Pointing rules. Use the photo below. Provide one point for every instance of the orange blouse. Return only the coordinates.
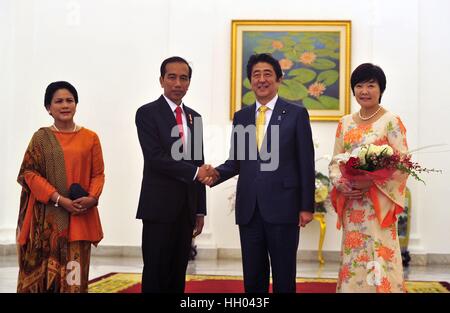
(84, 165)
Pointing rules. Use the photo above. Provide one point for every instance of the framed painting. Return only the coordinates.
(314, 57)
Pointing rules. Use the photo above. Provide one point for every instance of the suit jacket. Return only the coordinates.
(288, 189)
(168, 185)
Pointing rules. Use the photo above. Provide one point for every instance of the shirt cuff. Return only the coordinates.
(196, 173)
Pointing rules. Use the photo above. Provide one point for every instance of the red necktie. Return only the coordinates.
(178, 112)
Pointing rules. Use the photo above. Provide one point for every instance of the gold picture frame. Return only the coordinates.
(314, 56)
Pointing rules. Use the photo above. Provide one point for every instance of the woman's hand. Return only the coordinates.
(362, 185)
(358, 189)
(85, 203)
(70, 206)
(353, 194)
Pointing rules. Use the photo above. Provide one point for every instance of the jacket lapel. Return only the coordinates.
(278, 113)
(190, 125)
(166, 112)
(169, 118)
(250, 119)
(251, 116)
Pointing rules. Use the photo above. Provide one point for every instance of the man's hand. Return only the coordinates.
(207, 174)
(199, 222)
(305, 218)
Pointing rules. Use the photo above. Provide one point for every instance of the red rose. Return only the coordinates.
(353, 162)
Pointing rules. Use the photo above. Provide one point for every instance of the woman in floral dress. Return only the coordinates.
(367, 211)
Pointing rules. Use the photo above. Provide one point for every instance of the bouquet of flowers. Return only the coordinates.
(374, 162)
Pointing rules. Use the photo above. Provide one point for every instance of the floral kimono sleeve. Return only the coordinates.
(392, 191)
(333, 167)
(396, 133)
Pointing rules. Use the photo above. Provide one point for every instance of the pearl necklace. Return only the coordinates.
(369, 117)
(74, 128)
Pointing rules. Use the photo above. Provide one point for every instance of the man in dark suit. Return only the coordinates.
(272, 151)
(172, 203)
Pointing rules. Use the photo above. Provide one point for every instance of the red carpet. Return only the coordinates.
(130, 283)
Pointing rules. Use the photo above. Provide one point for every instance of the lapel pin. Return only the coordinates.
(284, 112)
(190, 118)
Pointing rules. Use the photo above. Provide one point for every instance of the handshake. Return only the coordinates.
(207, 174)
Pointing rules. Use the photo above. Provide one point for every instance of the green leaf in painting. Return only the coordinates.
(328, 77)
(291, 55)
(310, 35)
(330, 103)
(305, 39)
(253, 34)
(335, 55)
(330, 42)
(262, 49)
(247, 84)
(323, 64)
(326, 53)
(312, 104)
(285, 49)
(249, 98)
(284, 91)
(303, 75)
(265, 42)
(304, 47)
(287, 41)
(296, 90)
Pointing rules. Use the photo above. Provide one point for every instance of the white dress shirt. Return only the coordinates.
(173, 106)
(270, 105)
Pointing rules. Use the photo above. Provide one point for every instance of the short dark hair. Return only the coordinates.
(174, 59)
(266, 58)
(54, 87)
(367, 72)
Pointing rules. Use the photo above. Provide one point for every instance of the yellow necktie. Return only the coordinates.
(260, 123)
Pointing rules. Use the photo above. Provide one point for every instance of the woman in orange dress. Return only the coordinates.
(367, 210)
(56, 228)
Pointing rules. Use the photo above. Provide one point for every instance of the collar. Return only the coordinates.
(173, 105)
(270, 104)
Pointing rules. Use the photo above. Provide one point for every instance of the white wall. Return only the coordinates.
(6, 74)
(111, 51)
(433, 123)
